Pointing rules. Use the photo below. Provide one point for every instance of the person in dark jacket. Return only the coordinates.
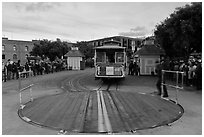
(135, 69)
(198, 76)
(27, 68)
(130, 71)
(159, 67)
(9, 69)
(18, 65)
(4, 71)
(15, 71)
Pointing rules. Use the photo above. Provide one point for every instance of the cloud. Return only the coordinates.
(137, 29)
(82, 20)
(41, 6)
(135, 32)
(32, 6)
(35, 27)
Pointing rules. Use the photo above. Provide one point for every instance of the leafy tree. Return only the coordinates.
(181, 33)
(36, 51)
(86, 49)
(49, 49)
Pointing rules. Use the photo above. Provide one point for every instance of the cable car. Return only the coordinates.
(110, 61)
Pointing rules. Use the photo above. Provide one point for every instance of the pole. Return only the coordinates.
(162, 81)
(177, 84)
(19, 86)
(182, 78)
(19, 77)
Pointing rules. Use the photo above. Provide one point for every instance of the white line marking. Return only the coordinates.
(22, 106)
(62, 132)
(100, 115)
(154, 126)
(105, 114)
(26, 119)
(165, 98)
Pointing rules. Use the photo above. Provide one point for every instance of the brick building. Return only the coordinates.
(16, 50)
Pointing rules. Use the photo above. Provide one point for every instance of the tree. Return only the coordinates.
(181, 33)
(86, 49)
(49, 49)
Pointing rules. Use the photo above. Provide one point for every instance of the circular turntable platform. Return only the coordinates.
(78, 111)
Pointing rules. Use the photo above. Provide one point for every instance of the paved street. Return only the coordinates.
(53, 90)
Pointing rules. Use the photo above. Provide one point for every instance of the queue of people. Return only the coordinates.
(10, 70)
(192, 69)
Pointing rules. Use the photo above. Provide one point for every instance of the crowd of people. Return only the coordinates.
(192, 73)
(192, 69)
(10, 70)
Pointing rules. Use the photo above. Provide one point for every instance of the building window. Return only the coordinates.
(26, 48)
(3, 56)
(124, 43)
(14, 56)
(101, 43)
(14, 47)
(3, 47)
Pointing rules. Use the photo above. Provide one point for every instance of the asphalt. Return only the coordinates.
(189, 98)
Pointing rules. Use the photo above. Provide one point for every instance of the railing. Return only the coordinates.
(21, 90)
(177, 86)
(25, 72)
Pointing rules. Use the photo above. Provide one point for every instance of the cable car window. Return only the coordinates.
(119, 57)
(110, 56)
(100, 56)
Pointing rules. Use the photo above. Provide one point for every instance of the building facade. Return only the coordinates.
(16, 50)
(129, 43)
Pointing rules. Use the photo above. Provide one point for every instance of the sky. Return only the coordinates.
(82, 21)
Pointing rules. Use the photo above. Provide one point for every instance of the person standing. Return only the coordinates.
(198, 76)
(15, 70)
(4, 69)
(27, 68)
(130, 72)
(159, 68)
(190, 74)
(9, 69)
(185, 70)
(18, 68)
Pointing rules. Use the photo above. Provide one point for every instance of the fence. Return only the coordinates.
(179, 80)
(21, 90)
